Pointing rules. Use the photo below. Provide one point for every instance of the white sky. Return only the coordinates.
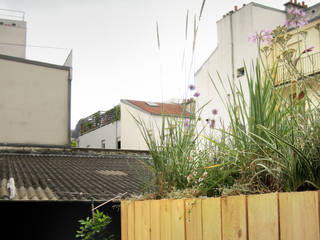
(115, 54)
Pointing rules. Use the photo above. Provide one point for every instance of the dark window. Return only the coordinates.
(119, 144)
(103, 143)
(240, 72)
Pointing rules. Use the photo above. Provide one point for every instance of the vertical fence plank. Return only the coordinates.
(211, 218)
(193, 219)
(263, 218)
(124, 220)
(142, 220)
(234, 219)
(138, 220)
(299, 215)
(131, 222)
(177, 219)
(165, 217)
(155, 222)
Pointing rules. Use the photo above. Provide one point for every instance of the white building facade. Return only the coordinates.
(232, 52)
(122, 132)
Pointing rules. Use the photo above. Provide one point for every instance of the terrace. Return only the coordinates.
(99, 119)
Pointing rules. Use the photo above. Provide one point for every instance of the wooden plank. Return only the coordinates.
(155, 221)
(177, 219)
(138, 220)
(263, 217)
(142, 220)
(234, 219)
(165, 219)
(146, 220)
(124, 220)
(193, 219)
(299, 215)
(211, 219)
(131, 222)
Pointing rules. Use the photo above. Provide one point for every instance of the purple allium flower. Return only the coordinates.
(192, 87)
(308, 49)
(296, 18)
(253, 38)
(290, 10)
(187, 122)
(263, 36)
(214, 111)
(297, 12)
(196, 94)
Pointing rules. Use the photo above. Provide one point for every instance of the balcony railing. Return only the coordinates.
(306, 66)
(99, 119)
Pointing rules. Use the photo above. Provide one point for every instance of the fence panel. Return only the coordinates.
(211, 219)
(155, 221)
(234, 218)
(177, 219)
(124, 220)
(279, 216)
(142, 220)
(131, 221)
(193, 219)
(299, 215)
(263, 217)
(165, 217)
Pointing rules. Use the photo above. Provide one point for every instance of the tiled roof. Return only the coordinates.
(68, 177)
(161, 108)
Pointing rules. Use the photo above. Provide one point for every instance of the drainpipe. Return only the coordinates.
(232, 46)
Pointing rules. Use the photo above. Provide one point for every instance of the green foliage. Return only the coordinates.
(95, 229)
(172, 150)
(73, 143)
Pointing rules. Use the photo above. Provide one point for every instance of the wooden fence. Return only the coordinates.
(285, 216)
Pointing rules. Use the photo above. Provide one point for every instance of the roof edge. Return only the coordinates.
(38, 63)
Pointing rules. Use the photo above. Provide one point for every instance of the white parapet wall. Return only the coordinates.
(103, 137)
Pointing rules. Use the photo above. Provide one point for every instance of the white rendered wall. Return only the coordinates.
(34, 103)
(13, 38)
(131, 137)
(110, 133)
(246, 21)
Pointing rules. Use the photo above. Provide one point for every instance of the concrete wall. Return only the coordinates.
(109, 133)
(13, 38)
(233, 32)
(34, 102)
(131, 137)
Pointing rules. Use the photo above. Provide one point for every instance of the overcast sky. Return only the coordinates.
(114, 43)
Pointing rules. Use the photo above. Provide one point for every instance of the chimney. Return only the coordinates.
(294, 4)
(235, 8)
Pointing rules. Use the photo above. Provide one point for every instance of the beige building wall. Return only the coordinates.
(34, 102)
(108, 134)
(13, 37)
(131, 137)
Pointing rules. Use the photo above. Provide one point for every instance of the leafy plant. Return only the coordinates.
(95, 229)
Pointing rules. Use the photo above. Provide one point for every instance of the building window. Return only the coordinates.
(119, 144)
(240, 72)
(103, 143)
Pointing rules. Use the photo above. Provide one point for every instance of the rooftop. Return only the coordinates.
(157, 108)
(69, 175)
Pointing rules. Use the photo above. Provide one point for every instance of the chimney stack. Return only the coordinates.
(235, 8)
